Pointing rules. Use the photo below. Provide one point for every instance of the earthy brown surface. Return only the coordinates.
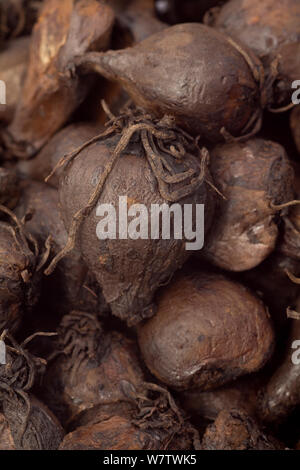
(120, 427)
(207, 331)
(269, 274)
(129, 271)
(51, 93)
(31, 425)
(67, 282)
(191, 348)
(43, 431)
(13, 66)
(295, 126)
(241, 394)
(251, 176)
(63, 142)
(90, 367)
(191, 72)
(19, 279)
(235, 430)
(289, 242)
(282, 392)
(9, 187)
(117, 433)
(271, 28)
(6, 439)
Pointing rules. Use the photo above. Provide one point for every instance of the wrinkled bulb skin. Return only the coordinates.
(251, 176)
(6, 441)
(128, 271)
(101, 359)
(289, 242)
(43, 432)
(65, 286)
(18, 280)
(271, 28)
(116, 427)
(235, 430)
(27, 423)
(192, 72)
(149, 226)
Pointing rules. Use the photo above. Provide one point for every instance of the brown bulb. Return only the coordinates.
(207, 331)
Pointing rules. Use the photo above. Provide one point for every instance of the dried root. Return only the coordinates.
(20, 269)
(157, 410)
(17, 378)
(158, 137)
(87, 366)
